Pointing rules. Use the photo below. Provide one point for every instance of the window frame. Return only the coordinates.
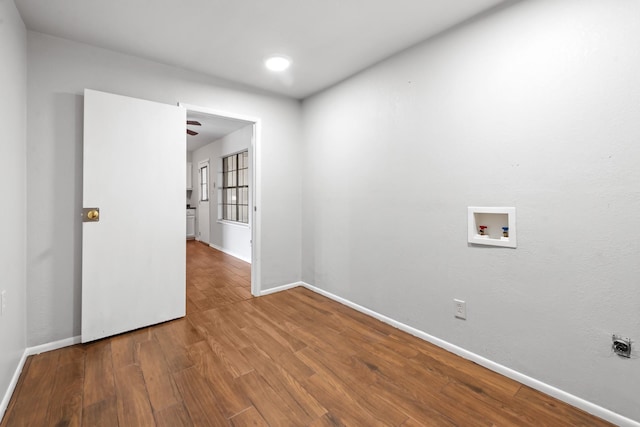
(235, 196)
(203, 184)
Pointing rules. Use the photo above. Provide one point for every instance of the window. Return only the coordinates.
(204, 182)
(235, 187)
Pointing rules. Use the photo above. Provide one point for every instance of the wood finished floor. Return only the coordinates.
(289, 359)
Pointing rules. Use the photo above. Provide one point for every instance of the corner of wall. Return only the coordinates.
(13, 90)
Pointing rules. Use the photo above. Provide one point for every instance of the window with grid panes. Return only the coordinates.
(235, 187)
(204, 183)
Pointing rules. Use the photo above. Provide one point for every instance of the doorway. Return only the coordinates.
(226, 188)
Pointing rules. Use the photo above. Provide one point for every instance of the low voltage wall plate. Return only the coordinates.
(621, 346)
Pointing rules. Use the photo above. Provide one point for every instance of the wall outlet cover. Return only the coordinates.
(460, 309)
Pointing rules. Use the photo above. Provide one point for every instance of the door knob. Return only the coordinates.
(90, 214)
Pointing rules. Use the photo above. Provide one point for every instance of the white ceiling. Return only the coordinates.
(212, 128)
(328, 40)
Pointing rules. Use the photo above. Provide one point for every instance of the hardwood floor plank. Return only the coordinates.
(426, 408)
(220, 325)
(35, 396)
(307, 311)
(103, 413)
(221, 382)
(173, 416)
(269, 330)
(294, 366)
(441, 363)
(470, 374)
(312, 302)
(198, 399)
(490, 408)
(159, 382)
(286, 314)
(271, 346)
(229, 354)
(424, 403)
(122, 351)
(184, 331)
(17, 392)
(248, 417)
(241, 292)
(98, 377)
(134, 408)
(65, 407)
(327, 420)
(362, 376)
(410, 422)
(324, 340)
(279, 378)
(72, 354)
(341, 402)
(547, 407)
(263, 309)
(238, 315)
(270, 404)
(351, 382)
(174, 351)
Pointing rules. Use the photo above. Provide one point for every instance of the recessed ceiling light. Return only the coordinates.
(277, 63)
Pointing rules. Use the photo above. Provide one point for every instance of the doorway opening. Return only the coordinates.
(221, 155)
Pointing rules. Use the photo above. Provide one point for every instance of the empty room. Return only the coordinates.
(403, 213)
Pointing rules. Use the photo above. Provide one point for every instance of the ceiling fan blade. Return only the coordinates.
(192, 133)
(193, 122)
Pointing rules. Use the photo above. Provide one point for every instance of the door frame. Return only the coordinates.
(256, 190)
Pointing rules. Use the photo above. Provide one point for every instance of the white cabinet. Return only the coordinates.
(189, 176)
(191, 223)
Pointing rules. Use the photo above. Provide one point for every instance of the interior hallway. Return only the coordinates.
(291, 358)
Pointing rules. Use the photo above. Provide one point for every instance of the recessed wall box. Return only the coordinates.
(492, 226)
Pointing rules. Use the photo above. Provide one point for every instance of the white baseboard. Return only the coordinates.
(12, 385)
(280, 288)
(43, 348)
(572, 400)
(30, 351)
(221, 249)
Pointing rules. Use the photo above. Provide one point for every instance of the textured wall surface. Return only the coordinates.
(535, 106)
(13, 163)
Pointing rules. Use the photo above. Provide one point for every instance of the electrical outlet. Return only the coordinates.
(621, 346)
(3, 302)
(460, 309)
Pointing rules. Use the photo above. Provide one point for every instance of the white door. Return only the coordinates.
(133, 257)
(204, 194)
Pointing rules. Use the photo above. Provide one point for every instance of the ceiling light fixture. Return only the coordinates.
(277, 63)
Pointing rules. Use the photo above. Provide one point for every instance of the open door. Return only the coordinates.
(133, 242)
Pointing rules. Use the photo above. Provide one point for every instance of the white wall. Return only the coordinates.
(536, 106)
(234, 239)
(13, 161)
(58, 72)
